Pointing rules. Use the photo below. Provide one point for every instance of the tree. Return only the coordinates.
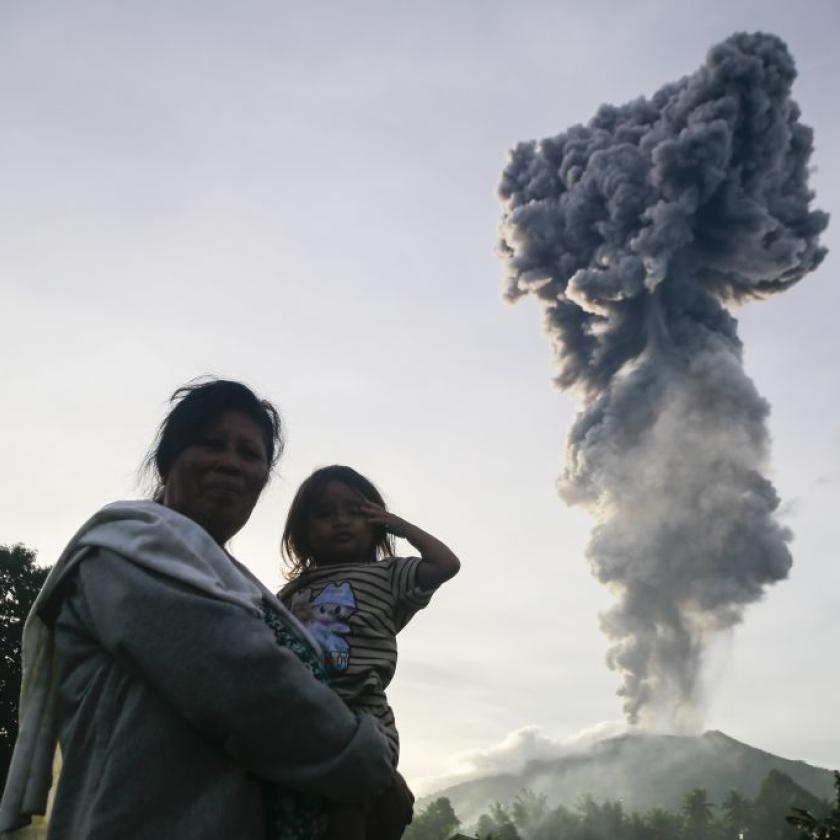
(697, 811)
(528, 809)
(559, 824)
(777, 797)
(601, 820)
(437, 821)
(485, 827)
(20, 581)
(497, 825)
(737, 815)
(812, 828)
(662, 824)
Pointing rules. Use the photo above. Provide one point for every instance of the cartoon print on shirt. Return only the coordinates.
(325, 617)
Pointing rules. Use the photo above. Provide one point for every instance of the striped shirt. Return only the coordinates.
(355, 611)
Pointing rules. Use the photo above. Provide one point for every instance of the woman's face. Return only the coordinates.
(217, 480)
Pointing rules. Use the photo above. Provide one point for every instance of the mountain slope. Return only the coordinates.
(642, 770)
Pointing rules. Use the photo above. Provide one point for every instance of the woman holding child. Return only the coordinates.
(187, 700)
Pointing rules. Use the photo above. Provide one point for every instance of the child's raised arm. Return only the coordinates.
(438, 564)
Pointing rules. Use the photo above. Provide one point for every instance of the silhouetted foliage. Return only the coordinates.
(528, 808)
(20, 581)
(813, 828)
(437, 821)
(530, 817)
(778, 795)
(498, 824)
(697, 814)
(737, 815)
(661, 825)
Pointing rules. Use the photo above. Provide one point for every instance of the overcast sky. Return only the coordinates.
(302, 196)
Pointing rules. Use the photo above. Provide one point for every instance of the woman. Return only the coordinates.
(150, 655)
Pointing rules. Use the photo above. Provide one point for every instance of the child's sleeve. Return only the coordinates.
(409, 596)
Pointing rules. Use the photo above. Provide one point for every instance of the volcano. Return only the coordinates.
(641, 770)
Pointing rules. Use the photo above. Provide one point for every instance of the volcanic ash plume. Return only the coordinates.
(635, 233)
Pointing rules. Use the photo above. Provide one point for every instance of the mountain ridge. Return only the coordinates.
(643, 770)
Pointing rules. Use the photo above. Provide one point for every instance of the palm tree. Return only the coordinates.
(737, 815)
(815, 829)
(697, 811)
(662, 824)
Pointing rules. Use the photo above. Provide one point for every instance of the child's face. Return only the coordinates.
(338, 532)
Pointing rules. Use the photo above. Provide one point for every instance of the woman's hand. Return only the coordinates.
(393, 811)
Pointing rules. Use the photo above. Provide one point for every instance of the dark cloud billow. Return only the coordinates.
(637, 233)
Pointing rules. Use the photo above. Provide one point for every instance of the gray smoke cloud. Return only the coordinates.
(637, 233)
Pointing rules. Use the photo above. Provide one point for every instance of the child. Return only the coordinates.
(354, 596)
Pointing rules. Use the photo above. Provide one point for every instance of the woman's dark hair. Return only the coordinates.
(295, 546)
(197, 405)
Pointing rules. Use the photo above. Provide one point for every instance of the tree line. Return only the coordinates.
(782, 810)
(20, 582)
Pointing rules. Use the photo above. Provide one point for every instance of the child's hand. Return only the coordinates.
(438, 562)
(377, 515)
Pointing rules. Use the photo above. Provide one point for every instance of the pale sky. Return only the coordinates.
(302, 196)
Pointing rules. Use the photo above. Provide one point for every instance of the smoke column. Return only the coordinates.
(637, 233)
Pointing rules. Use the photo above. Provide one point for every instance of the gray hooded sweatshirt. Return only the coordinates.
(175, 708)
(146, 655)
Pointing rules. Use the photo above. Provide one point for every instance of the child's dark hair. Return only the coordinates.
(295, 546)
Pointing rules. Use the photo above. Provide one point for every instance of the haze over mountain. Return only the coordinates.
(642, 770)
